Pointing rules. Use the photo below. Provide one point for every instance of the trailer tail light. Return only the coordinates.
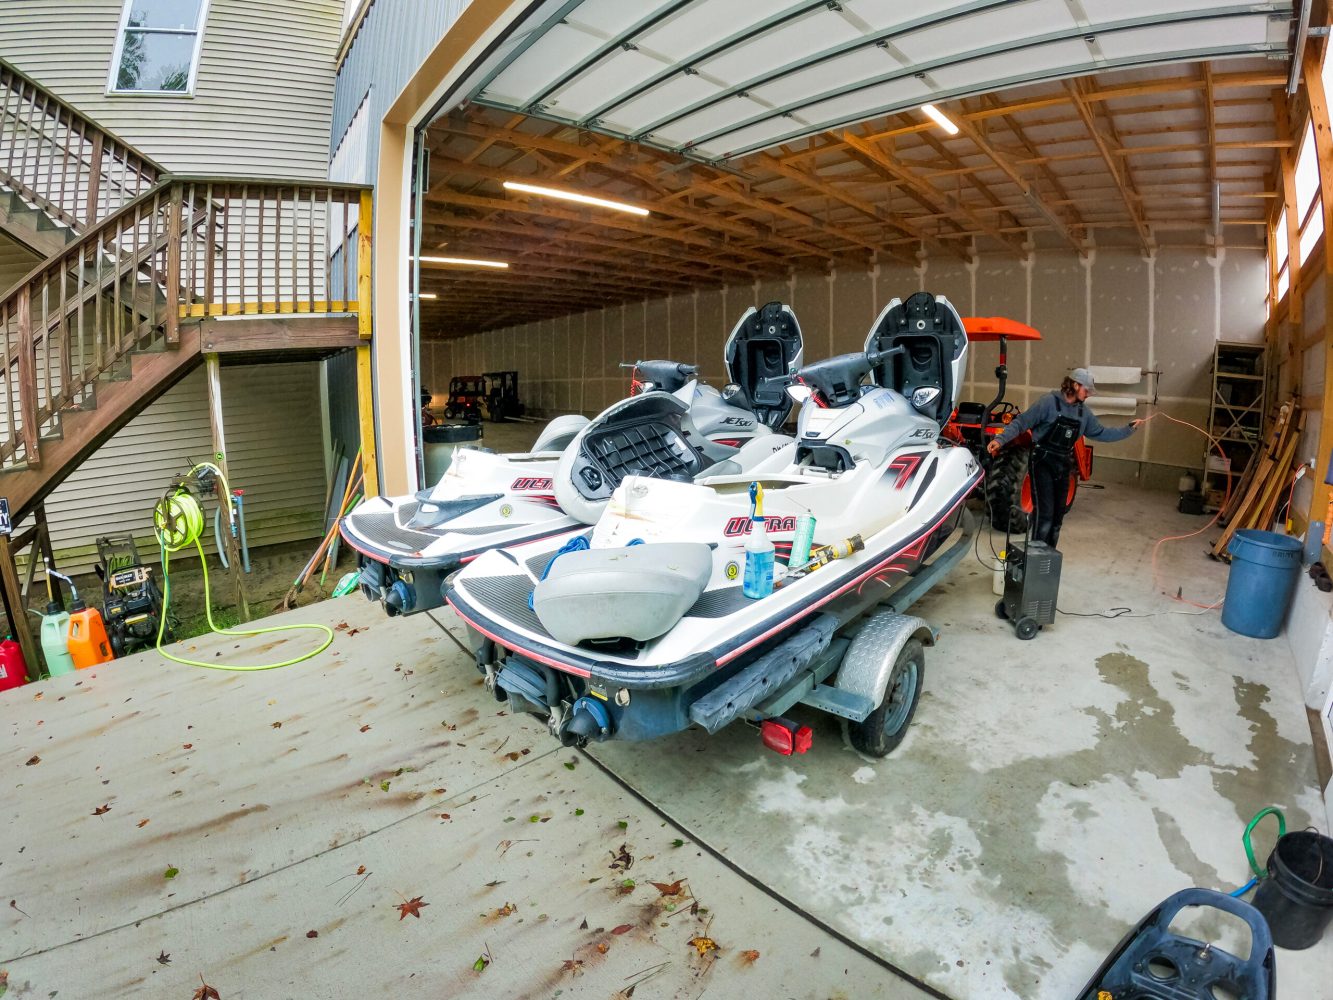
(785, 736)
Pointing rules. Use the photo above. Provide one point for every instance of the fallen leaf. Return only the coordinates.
(625, 887)
(37, 696)
(750, 956)
(622, 929)
(578, 812)
(622, 861)
(275, 725)
(514, 755)
(815, 953)
(143, 823)
(34, 759)
(361, 870)
(163, 958)
(584, 926)
(492, 885)
(102, 810)
(315, 934)
(570, 765)
(506, 910)
(206, 992)
(384, 786)
(412, 906)
(438, 791)
(365, 728)
(678, 843)
(171, 873)
(704, 944)
(668, 888)
(603, 947)
(14, 905)
(572, 965)
(444, 815)
(624, 825)
(187, 746)
(480, 964)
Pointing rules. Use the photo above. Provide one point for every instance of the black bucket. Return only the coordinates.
(1297, 897)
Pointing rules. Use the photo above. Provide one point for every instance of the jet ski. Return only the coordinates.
(407, 545)
(640, 626)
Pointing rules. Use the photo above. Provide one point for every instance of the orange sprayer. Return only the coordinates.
(88, 642)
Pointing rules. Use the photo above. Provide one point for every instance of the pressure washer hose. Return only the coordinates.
(178, 522)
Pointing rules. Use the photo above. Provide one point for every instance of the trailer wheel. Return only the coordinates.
(885, 727)
(1004, 490)
(1001, 612)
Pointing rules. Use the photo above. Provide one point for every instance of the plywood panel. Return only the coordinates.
(1058, 311)
(1244, 285)
(1001, 291)
(853, 309)
(1185, 323)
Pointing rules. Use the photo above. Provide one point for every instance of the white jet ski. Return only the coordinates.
(407, 545)
(640, 626)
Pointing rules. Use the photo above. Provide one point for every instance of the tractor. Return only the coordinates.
(466, 394)
(1008, 486)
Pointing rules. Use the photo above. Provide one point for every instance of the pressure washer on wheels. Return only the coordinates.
(131, 600)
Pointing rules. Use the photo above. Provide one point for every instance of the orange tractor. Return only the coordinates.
(1008, 486)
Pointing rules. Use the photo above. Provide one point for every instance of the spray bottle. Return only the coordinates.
(758, 580)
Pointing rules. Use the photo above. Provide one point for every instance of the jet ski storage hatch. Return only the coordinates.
(764, 347)
(930, 367)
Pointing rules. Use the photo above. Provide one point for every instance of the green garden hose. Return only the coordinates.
(178, 521)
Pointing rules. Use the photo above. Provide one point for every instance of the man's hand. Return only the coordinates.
(1135, 423)
(993, 447)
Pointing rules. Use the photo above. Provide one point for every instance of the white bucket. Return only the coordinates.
(997, 576)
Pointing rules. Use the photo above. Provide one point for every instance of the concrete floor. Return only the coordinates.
(1048, 794)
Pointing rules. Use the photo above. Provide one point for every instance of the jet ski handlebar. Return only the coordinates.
(665, 375)
(837, 380)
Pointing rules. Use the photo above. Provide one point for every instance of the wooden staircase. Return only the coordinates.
(144, 274)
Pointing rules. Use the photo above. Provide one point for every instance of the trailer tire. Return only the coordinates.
(885, 727)
(1004, 490)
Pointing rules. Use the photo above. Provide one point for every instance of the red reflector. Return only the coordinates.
(786, 737)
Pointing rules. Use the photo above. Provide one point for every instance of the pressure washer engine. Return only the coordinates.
(131, 600)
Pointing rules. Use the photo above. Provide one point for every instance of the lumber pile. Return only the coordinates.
(1254, 502)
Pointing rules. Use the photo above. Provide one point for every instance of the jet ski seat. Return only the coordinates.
(932, 338)
(559, 433)
(638, 592)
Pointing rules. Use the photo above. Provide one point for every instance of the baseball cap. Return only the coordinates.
(1083, 377)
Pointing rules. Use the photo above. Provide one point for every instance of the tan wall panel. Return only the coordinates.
(1058, 311)
(853, 309)
(1185, 323)
(810, 301)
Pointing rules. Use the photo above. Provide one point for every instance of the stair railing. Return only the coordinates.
(61, 160)
(185, 249)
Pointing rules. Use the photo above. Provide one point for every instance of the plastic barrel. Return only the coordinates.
(1297, 897)
(1264, 568)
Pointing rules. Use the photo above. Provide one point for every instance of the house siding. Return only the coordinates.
(15, 262)
(275, 452)
(263, 94)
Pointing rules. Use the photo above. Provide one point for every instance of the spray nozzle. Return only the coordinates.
(756, 500)
(73, 591)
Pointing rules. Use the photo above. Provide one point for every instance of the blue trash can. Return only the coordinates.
(1264, 569)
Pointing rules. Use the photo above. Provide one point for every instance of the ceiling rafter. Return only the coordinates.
(1125, 184)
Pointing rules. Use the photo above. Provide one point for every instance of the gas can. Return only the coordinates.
(55, 640)
(13, 668)
(88, 642)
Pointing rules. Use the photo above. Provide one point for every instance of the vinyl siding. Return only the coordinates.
(15, 262)
(272, 420)
(263, 95)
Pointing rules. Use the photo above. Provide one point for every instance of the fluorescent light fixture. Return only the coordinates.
(939, 118)
(463, 261)
(582, 199)
(427, 295)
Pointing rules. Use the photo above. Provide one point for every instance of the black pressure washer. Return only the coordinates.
(1031, 582)
(131, 600)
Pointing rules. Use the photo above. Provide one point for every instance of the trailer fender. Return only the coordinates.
(868, 662)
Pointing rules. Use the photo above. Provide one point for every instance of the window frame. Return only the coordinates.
(114, 71)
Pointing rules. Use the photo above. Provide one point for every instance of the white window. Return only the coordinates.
(157, 50)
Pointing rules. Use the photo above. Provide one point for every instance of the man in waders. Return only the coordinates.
(1057, 420)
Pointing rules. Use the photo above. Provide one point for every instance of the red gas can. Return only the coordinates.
(13, 668)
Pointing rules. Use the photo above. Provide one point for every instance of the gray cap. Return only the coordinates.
(1083, 377)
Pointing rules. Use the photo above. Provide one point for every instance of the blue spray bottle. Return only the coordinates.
(758, 580)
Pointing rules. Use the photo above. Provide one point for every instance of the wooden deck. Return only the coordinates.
(301, 807)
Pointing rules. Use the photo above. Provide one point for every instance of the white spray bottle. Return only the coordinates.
(758, 580)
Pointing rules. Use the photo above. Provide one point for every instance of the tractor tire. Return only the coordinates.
(1004, 488)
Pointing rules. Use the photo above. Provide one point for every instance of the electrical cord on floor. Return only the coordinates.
(178, 522)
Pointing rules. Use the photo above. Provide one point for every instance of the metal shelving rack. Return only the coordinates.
(1235, 415)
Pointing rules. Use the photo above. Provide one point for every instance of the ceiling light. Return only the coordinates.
(939, 118)
(582, 199)
(427, 295)
(463, 261)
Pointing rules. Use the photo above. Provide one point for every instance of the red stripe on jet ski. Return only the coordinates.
(568, 668)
